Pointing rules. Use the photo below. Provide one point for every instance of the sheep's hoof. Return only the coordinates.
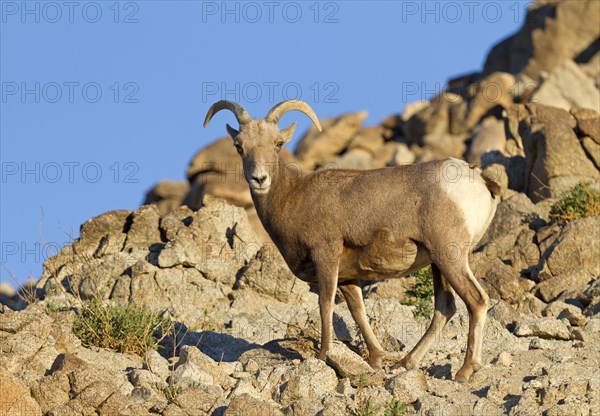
(406, 363)
(462, 378)
(465, 374)
(375, 361)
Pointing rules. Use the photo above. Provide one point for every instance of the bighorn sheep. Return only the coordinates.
(336, 227)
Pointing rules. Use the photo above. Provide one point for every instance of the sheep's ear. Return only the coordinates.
(232, 132)
(288, 133)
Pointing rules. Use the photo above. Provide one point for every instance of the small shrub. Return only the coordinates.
(362, 380)
(579, 202)
(368, 408)
(52, 307)
(128, 329)
(394, 408)
(421, 292)
(169, 390)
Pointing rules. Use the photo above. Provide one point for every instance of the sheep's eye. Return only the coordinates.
(279, 145)
(239, 149)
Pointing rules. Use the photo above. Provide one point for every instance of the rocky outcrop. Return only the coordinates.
(245, 330)
(555, 159)
(281, 376)
(16, 397)
(568, 86)
(181, 260)
(552, 33)
(318, 148)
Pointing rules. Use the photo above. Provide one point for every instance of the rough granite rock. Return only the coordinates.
(167, 195)
(576, 249)
(16, 399)
(552, 32)
(318, 148)
(188, 375)
(492, 91)
(550, 289)
(346, 362)
(217, 243)
(555, 160)
(408, 386)
(247, 405)
(545, 328)
(203, 251)
(568, 87)
(486, 137)
(588, 123)
(191, 355)
(433, 119)
(311, 378)
(156, 364)
(268, 274)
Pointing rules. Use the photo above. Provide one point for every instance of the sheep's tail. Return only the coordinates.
(491, 178)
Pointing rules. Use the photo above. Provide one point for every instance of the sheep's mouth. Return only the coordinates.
(260, 191)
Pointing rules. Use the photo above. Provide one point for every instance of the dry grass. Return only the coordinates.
(127, 329)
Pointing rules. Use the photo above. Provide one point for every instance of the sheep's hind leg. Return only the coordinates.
(461, 278)
(353, 295)
(444, 310)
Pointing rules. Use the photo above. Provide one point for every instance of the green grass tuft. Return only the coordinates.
(368, 408)
(421, 292)
(169, 390)
(579, 202)
(395, 408)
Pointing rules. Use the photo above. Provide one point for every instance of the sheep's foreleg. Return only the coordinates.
(353, 295)
(327, 277)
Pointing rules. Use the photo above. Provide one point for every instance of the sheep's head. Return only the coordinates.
(259, 141)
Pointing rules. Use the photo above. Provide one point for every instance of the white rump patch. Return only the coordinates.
(466, 188)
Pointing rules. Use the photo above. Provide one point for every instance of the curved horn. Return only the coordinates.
(241, 115)
(280, 109)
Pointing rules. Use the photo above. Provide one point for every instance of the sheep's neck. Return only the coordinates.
(271, 206)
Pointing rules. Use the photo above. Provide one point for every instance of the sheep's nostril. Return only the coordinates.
(259, 179)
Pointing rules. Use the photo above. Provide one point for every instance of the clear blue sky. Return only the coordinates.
(101, 100)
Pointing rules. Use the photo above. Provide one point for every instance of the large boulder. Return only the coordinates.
(316, 148)
(268, 274)
(488, 136)
(311, 378)
(568, 87)
(576, 248)
(217, 242)
(167, 195)
(444, 115)
(554, 157)
(553, 32)
(16, 398)
(490, 92)
(73, 383)
(31, 340)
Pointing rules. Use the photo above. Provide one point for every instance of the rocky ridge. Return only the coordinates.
(246, 328)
